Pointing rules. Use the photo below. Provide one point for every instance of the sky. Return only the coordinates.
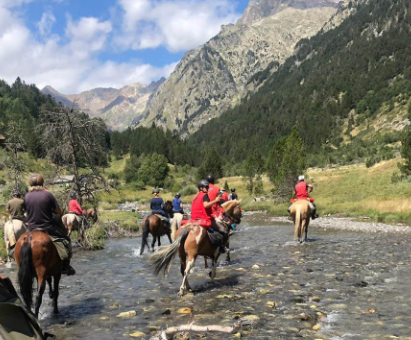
(77, 45)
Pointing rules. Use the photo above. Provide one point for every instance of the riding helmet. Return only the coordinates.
(301, 178)
(210, 179)
(203, 184)
(155, 191)
(73, 195)
(16, 194)
(178, 195)
(232, 189)
(36, 180)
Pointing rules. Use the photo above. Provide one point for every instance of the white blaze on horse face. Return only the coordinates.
(200, 234)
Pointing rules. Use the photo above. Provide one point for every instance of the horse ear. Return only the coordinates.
(238, 202)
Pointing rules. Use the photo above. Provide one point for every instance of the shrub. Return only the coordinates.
(189, 190)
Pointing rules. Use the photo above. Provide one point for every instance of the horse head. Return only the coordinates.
(233, 210)
(169, 208)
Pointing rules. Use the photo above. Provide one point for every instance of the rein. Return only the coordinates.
(232, 218)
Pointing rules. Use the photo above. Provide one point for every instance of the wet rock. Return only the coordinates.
(166, 312)
(317, 327)
(128, 314)
(184, 311)
(251, 317)
(255, 267)
(271, 304)
(371, 311)
(315, 299)
(137, 334)
(263, 291)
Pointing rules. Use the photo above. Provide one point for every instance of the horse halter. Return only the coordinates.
(232, 218)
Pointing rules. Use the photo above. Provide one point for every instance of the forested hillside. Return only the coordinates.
(337, 80)
(21, 104)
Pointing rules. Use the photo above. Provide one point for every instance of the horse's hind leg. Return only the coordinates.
(41, 286)
(228, 258)
(306, 231)
(50, 287)
(56, 292)
(302, 230)
(153, 244)
(169, 238)
(185, 285)
(159, 241)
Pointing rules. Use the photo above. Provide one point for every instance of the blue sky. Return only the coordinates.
(76, 45)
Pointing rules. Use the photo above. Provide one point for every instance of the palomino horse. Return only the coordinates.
(175, 224)
(154, 225)
(71, 222)
(37, 257)
(13, 229)
(192, 241)
(301, 212)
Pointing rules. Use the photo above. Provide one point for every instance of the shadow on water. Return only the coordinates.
(228, 282)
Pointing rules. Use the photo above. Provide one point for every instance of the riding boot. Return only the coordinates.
(67, 269)
(314, 214)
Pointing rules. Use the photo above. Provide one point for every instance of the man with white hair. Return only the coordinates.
(302, 193)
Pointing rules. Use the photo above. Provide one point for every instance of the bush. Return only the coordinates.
(189, 190)
(2, 181)
(94, 237)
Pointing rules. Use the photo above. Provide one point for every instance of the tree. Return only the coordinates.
(131, 168)
(73, 140)
(212, 164)
(405, 167)
(254, 166)
(154, 170)
(293, 164)
(275, 159)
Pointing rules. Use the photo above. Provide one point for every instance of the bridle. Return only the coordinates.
(236, 221)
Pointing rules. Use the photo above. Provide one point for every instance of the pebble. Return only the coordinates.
(317, 327)
(184, 311)
(255, 267)
(128, 314)
(137, 334)
(270, 304)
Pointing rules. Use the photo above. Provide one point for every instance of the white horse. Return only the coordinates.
(13, 229)
(175, 224)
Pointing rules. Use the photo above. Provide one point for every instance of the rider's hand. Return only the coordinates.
(218, 199)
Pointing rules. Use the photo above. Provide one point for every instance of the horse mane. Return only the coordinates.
(228, 206)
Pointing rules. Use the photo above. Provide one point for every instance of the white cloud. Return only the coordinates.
(46, 23)
(69, 67)
(178, 25)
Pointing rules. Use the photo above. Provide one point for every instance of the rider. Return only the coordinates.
(233, 196)
(15, 207)
(213, 192)
(201, 210)
(301, 192)
(177, 204)
(75, 208)
(40, 206)
(157, 207)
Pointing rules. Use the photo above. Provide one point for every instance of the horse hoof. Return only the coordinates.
(56, 312)
(180, 293)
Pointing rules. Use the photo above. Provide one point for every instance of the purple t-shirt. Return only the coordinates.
(40, 206)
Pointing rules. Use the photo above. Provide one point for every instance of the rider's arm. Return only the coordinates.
(208, 204)
(8, 208)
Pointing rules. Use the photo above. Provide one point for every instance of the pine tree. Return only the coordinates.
(405, 167)
(212, 164)
(254, 166)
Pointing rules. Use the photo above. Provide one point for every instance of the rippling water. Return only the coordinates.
(349, 285)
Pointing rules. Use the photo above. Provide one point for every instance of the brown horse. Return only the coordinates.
(192, 241)
(153, 225)
(301, 212)
(37, 257)
(71, 222)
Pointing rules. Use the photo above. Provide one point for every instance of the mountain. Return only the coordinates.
(215, 77)
(118, 107)
(346, 89)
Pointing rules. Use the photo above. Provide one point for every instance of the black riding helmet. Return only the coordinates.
(210, 179)
(203, 184)
(16, 194)
(232, 189)
(178, 195)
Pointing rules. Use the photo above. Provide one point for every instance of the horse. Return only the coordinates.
(192, 241)
(175, 224)
(154, 225)
(71, 222)
(13, 229)
(300, 212)
(37, 257)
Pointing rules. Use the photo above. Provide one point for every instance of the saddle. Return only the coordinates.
(309, 199)
(61, 243)
(161, 217)
(215, 237)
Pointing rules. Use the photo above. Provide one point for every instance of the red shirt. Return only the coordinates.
(199, 212)
(225, 196)
(301, 190)
(213, 192)
(75, 208)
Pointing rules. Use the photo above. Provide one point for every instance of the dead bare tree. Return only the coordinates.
(15, 163)
(72, 141)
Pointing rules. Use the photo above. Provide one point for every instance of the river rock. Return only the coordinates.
(317, 327)
(137, 334)
(315, 299)
(128, 314)
(184, 311)
(255, 267)
(263, 291)
(270, 304)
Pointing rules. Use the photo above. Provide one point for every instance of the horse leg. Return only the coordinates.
(56, 292)
(153, 244)
(185, 285)
(228, 258)
(41, 286)
(306, 231)
(50, 287)
(301, 232)
(169, 238)
(70, 229)
(205, 262)
(159, 241)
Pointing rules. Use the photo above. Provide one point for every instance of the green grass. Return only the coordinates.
(126, 220)
(3, 252)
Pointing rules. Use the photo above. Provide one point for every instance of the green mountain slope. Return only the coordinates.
(338, 79)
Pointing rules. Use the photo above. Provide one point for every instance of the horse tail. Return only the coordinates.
(26, 273)
(146, 231)
(163, 259)
(298, 220)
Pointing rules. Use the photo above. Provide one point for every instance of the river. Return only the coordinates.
(346, 285)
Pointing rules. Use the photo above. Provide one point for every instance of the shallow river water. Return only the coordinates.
(346, 285)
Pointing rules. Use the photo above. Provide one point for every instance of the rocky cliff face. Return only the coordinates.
(118, 107)
(213, 77)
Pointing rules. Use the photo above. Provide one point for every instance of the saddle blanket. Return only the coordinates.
(61, 245)
(161, 217)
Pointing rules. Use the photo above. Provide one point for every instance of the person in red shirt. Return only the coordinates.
(75, 208)
(213, 192)
(201, 212)
(301, 191)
